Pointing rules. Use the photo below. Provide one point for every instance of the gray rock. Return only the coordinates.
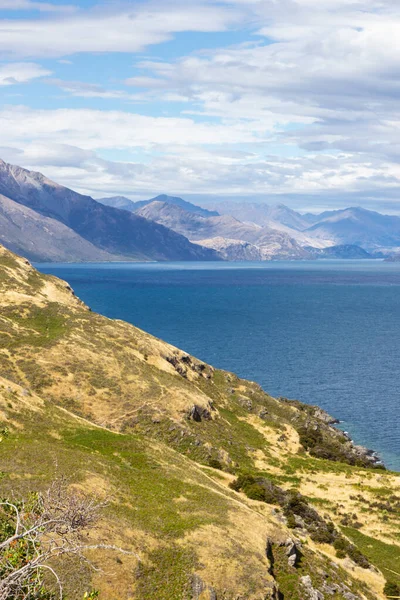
(293, 551)
(312, 593)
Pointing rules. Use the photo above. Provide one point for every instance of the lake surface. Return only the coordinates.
(325, 332)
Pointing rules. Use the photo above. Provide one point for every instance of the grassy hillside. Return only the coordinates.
(208, 477)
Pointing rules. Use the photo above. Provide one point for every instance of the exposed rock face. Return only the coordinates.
(310, 591)
(199, 413)
(293, 552)
(234, 250)
(90, 224)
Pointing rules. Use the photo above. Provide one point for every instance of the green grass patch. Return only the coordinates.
(384, 556)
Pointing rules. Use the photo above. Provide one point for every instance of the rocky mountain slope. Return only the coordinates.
(112, 231)
(221, 491)
(209, 231)
(42, 238)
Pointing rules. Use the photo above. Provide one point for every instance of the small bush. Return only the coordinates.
(391, 589)
(291, 521)
(255, 492)
(215, 463)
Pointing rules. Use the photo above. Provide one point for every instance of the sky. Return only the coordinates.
(293, 101)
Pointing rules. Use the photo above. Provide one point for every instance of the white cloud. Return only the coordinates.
(116, 29)
(95, 129)
(13, 73)
(332, 68)
(31, 5)
(223, 169)
(309, 105)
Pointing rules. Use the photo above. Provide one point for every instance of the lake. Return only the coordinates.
(324, 332)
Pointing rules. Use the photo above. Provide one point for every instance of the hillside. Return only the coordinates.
(114, 232)
(203, 470)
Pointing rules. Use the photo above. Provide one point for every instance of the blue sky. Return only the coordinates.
(256, 100)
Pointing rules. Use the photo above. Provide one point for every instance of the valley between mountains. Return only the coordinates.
(219, 490)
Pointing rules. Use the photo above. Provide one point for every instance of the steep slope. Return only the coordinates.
(270, 243)
(162, 435)
(364, 228)
(41, 238)
(111, 230)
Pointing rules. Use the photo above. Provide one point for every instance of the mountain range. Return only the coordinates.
(48, 222)
(368, 229)
(257, 231)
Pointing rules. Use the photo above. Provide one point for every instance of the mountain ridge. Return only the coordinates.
(127, 204)
(116, 232)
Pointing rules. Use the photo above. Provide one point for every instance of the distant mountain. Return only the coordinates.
(358, 226)
(263, 214)
(347, 251)
(195, 226)
(175, 201)
(119, 202)
(126, 204)
(218, 232)
(115, 232)
(349, 227)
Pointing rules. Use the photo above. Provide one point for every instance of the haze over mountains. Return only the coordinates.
(256, 231)
(45, 221)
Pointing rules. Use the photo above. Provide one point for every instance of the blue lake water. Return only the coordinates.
(325, 332)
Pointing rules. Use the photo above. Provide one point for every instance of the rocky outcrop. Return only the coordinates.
(293, 552)
(310, 592)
